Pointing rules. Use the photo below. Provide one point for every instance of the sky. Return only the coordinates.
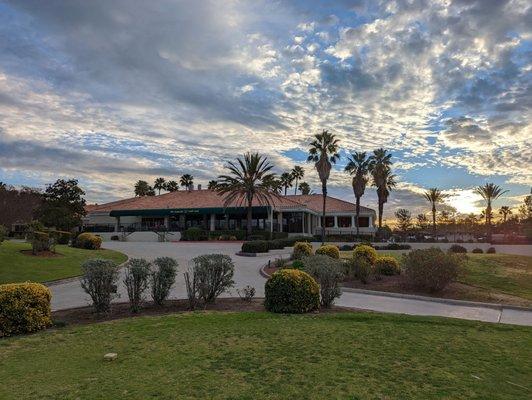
(110, 92)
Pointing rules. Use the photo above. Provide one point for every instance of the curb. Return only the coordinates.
(465, 303)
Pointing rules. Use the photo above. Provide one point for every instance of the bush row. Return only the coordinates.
(263, 246)
(198, 234)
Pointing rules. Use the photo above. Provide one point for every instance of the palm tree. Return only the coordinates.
(172, 186)
(304, 188)
(286, 181)
(187, 181)
(323, 152)
(505, 211)
(274, 184)
(249, 179)
(143, 189)
(159, 184)
(297, 174)
(489, 192)
(212, 185)
(434, 196)
(358, 167)
(381, 171)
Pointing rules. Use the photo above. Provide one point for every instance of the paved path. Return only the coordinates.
(70, 294)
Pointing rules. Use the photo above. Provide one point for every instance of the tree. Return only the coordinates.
(505, 211)
(525, 209)
(212, 185)
(171, 186)
(323, 152)
(304, 188)
(404, 219)
(249, 178)
(286, 181)
(297, 174)
(18, 206)
(187, 181)
(489, 192)
(62, 205)
(142, 188)
(159, 184)
(358, 167)
(274, 184)
(422, 221)
(382, 178)
(434, 196)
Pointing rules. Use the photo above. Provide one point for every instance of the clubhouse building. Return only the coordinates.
(174, 212)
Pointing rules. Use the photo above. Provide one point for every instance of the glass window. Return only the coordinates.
(363, 222)
(329, 222)
(344, 222)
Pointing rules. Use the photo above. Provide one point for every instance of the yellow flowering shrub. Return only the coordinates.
(366, 252)
(329, 250)
(387, 265)
(301, 249)
(89, 241)
(24, 308)
(291, 291)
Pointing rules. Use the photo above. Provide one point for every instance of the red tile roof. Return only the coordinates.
(210, 199)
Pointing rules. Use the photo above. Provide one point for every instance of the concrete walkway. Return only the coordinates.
(70, 294)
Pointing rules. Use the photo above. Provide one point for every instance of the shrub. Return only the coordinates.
(291, 291)
(194, 233)
(297, 264)
(88, 241)
(346, 247)
(394, 246)
(301, 250)
(387, 266)
(24, 308)
(162, 277)
(328, 273)
(214, 275)
(115, 238)
(366, 252)
(329, 250)
(359, 268)
(279, 262)
(431, 269)
(99, 277)
(491, 250)
(456, 248)
(3, 233)
(247, 293)
(191, 284)
(477, 251)
(40, 241)
(256, 246)
(60, 237)
(276, 244)
(137, 272)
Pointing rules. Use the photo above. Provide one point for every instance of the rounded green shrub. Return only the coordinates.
(297, 264)
(255, 246)
(88, 241)
(387, 265)
(301, 249)
(366, 252)
(194, 234)
(477, 251)
(329, 250)
(291, 291)
(456, 248)
(491, 250)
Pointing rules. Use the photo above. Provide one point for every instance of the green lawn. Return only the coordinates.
(268, 356)
(18, 267)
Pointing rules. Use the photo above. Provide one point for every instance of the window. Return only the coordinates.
(363, 222)
(344, 222)
(329, 222)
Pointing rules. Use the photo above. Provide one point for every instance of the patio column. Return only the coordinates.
(271, 219)
(213, 222)
(117, 224)
(167, 222)
(280, 221)
(336, 221)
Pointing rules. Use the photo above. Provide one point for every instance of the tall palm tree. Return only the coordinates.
(159, 184)
(212, 184)
(434, 196)
(286, 181)
(489, 192)
(323, 152)
(297, 174)
(187, 181)
(304, 188)
(142, 188)
(505, 211)
(249, 179)
(172, 186)
(358, 167)
(274, 184)
(380, 167)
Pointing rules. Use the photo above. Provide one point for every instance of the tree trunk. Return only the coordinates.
(434, 218)
(381, 208)
(295, 189)
(324, 192)
(488, 220)
(357, 215)
(249, 218)
(285, 189)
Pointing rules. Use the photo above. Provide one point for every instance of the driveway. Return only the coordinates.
(69, 294)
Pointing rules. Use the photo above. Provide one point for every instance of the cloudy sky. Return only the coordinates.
(111, 92)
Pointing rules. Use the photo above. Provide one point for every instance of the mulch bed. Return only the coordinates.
(44, 254)
(86, 315)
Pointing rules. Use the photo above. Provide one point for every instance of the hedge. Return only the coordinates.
(263, 246)
(24, 308)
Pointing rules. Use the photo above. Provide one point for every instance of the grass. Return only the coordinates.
(18, 267)
(270, 356)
